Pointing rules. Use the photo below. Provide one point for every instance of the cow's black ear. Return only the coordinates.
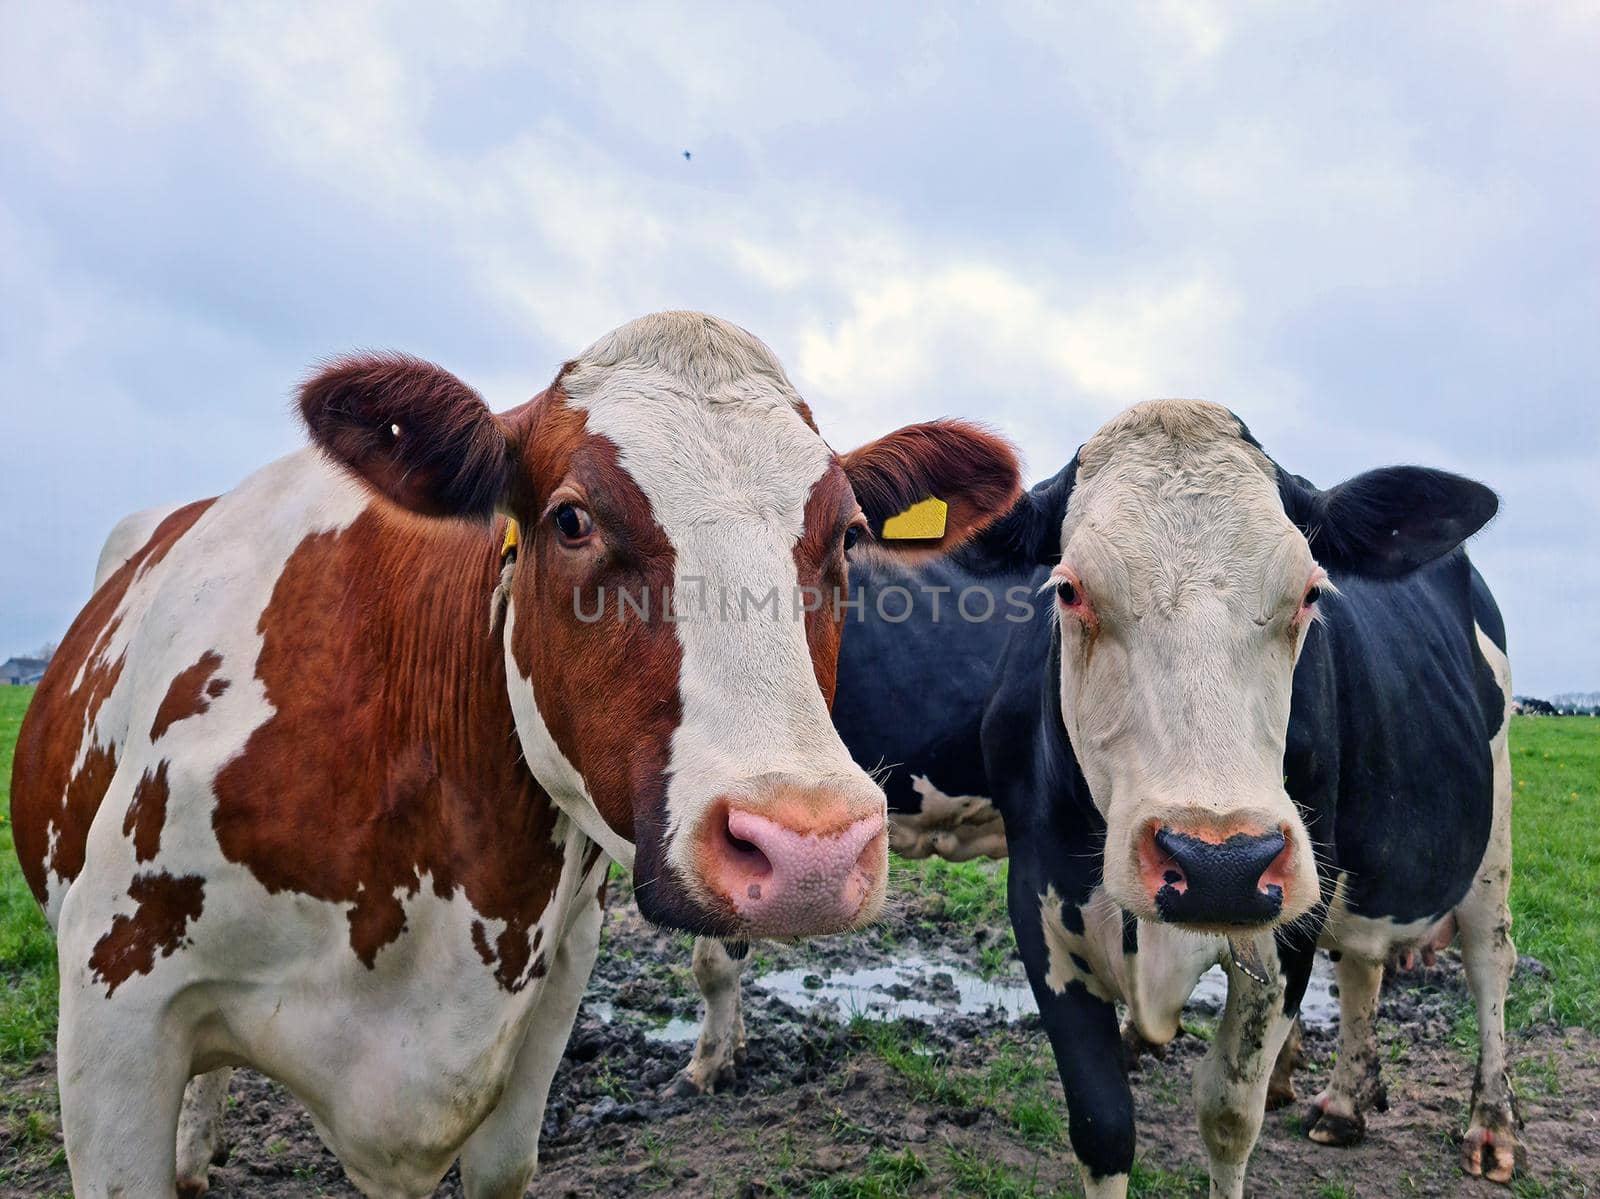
(1029, 534)
(1389, 521)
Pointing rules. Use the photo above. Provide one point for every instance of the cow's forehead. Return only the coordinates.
(702, 464)
(1174, 485)
(704, 420)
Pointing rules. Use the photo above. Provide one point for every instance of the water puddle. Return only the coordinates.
(912, 986)
(926, 988)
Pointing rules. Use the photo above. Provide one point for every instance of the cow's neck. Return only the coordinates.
(443, 675)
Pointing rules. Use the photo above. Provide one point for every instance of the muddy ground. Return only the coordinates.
(940, 1101)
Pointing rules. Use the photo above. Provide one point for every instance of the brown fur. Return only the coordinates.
(450, 456)
(399, 760)
(147, 812)
(45, 791)
(820, 562)
(974, 471)
(632, 663)
(158, 924)
(189, 694)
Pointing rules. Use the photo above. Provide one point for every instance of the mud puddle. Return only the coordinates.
(920, 987)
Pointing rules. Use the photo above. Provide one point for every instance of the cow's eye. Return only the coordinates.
(851, 536)
(1313, 594)
(1066, 593)
(572, 522)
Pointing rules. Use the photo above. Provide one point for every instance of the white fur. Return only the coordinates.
(721, 1044)
(1065, 950)
(1180, 704)
(127, 537)
(707, 425)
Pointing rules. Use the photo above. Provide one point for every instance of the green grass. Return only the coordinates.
(1154, 1182)
(1555, 882)
(1015, 1083)
(27, 952)
(884, 1176)
(966, 892)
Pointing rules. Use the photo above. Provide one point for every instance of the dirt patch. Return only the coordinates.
(947, 1101)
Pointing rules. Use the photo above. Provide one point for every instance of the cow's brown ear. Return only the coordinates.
(934, 485)
(411, 430)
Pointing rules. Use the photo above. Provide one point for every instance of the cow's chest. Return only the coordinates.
(424, 1046)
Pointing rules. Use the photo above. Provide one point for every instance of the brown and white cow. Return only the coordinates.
(315, 785)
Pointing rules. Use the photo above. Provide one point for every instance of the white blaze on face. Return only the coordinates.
(1176, 695)
(708, 426)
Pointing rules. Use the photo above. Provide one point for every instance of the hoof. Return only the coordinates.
(685, 1085)
(1334, 1128)
(690, 1083)
(1486, 1153)
(191, 1188)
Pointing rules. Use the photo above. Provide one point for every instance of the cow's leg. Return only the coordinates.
(721, 1047)
(1280, 1087)
(502, 1154)
(1080, 1018)
(200, 1144)
(1484, 921)
(1230, 1083)
(1337, 1116)
(122, 1078)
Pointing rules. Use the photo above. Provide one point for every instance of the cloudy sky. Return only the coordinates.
(1371, 231)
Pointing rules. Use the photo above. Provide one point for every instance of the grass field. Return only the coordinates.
(27, 954)
(1555, 897)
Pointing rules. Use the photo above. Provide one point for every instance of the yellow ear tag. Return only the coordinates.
(509, 545)
(923, 521)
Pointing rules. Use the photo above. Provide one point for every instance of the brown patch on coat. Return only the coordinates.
(823, 574)
(391, 755)
(633, 663)
(147, 813)
(188, 693)
(160, 924)
(47, 793)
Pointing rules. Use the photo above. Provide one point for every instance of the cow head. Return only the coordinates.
(671, 635)
(1188, 570)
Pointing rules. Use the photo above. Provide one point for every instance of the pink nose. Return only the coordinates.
(785, 882)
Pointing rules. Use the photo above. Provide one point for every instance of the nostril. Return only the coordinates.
(746, 855)
(871, 856)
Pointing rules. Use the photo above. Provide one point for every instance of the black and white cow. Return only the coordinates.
(1214, 729)
(1176, 790)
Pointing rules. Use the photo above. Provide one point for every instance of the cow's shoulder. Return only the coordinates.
(387, 743)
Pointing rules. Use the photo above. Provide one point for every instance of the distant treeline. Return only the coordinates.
(1583, 703)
